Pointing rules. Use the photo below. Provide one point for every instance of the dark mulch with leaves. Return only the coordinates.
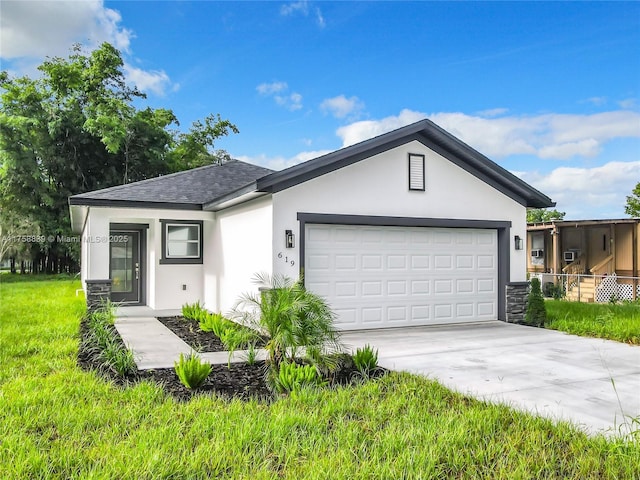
(189, 331)
(239, 380)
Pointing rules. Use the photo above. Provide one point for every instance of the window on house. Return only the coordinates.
(181, 241)
(416, 172)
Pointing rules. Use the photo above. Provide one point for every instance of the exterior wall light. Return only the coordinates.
(518, 243)
(289, 239)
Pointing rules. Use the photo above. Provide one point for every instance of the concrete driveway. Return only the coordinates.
(552, 373)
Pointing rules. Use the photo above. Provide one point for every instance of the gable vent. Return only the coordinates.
(416, 172)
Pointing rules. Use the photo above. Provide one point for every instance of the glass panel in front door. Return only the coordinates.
(122, 263)
(125, 266)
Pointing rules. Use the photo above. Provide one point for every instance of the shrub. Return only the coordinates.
(295, 321)
(291, 377)
(536, 312)
(366, 360)
(191, 371)
(551, 290)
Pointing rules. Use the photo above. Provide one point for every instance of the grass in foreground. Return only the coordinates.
(60, 422)
(619, 322)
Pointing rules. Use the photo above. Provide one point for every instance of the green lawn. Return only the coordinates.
(59, 422)
(619, 322)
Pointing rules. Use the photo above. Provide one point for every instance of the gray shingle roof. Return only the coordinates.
(190, 189)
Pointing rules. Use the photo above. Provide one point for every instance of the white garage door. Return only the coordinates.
(375, 277)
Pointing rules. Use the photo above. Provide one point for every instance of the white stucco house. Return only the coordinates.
(412, 227)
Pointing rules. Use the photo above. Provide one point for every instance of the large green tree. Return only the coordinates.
(538, 215)
(77, 127)
(632, 208)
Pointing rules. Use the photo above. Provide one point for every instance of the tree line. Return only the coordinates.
(75, 128)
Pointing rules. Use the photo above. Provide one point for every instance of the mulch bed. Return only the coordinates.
(189, 331)
(240, 380)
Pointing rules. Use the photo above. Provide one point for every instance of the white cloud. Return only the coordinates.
(280, 163)
(279, 92)
(557, 136)
(302, 7)
(584, 148)
(48, 28)
(627, 103)
(363, 130)
(586, 193)
(597, 101)
(156, 81)
(493, 112)
(271, 88)
(294, 7)
(33, 30)
(319, 18)
(341, 106)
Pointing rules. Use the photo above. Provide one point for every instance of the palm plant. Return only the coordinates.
(294, 319)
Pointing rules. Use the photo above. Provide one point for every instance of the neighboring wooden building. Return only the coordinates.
(602, 248)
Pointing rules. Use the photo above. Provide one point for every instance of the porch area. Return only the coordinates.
(586, 260)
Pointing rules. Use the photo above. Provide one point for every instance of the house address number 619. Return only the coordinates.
(286, 259)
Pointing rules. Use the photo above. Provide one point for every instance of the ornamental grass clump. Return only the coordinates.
(366, 360)
(191, 371)
(536, 312)
(102, 340)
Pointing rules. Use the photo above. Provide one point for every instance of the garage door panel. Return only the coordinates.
(420, 262)
(465, 310)
(486, 285)
(372, 262)
(397, 276)
(397, 287)
(420, 314)
(397, 262)
(465, 285)
(420, 287)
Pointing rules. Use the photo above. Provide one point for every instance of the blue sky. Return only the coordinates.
(550, 91)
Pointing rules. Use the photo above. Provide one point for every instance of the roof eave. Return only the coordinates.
(241, 195)
(100, 202)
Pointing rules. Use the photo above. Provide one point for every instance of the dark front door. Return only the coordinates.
(125, 266)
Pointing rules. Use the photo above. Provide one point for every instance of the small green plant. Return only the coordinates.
(213, 322)
(366, 360)
(536, 313)
(236, 337)
(191, 371)
(119, 358)
(192, 310)
(292, 377)
(252, 353)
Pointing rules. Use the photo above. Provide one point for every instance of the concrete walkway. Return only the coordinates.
(155, 346)
(593, 383)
